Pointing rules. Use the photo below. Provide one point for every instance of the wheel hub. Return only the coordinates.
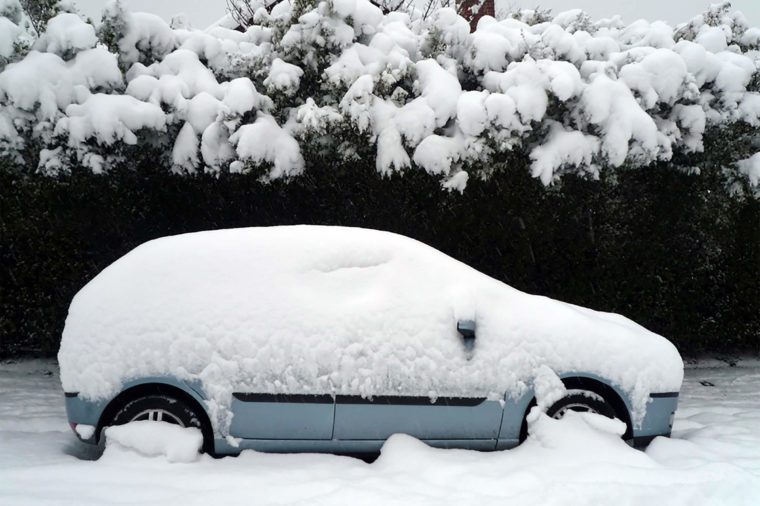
(157, 415)
(583, 408)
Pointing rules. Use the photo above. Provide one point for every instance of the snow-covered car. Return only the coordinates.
(308, 338)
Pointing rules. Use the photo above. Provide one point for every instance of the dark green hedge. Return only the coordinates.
(674, 252)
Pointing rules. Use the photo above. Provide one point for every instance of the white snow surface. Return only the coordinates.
(283, 76)
(9, 32)
(108, 118)
(309, 309)
(751, 168)
(713, 459)
(67, 33)
(156, 439)
(85, 431)
(46, 84)
(265, 141)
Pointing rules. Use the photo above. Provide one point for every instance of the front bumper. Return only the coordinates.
(658, 420)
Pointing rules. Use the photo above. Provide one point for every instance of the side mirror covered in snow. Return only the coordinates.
(467, 329)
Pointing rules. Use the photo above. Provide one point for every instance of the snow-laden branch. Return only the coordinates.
(570, 94)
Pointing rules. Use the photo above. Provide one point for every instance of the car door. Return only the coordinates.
(444, 421)
(449, 421)
(282, 416)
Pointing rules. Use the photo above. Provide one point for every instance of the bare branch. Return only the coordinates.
(244, 11)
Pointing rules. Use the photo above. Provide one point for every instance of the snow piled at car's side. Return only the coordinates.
(336, 310)
(571, 436)
(574, 94)
(154, 439)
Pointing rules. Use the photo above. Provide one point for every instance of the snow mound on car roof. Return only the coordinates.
(335, 310)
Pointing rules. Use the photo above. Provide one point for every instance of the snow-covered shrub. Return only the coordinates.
(39, 94)
(15, 36)
(135, 37)
(66, 35)
(340, 81)
(39, 12)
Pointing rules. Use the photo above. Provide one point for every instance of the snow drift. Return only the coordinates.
(155, 439)
(309, 309)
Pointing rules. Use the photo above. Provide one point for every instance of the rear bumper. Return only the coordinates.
(83, 412)
(658, 420)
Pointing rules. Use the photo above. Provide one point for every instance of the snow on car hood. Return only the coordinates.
(302, 309)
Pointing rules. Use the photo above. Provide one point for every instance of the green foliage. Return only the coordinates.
(21, 48)
(113, 26)
(531, 16)
(300, 7)
(40, 12)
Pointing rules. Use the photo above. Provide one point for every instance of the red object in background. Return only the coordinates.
(486, 9)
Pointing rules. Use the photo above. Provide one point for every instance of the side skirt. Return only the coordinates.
(223, 447)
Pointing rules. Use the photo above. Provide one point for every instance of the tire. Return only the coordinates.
(582, 401)
(164, 408)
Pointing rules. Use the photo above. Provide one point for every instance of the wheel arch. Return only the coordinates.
(152, 386)
(588, 382)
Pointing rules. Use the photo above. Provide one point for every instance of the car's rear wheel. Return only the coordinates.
(584, 401)
(161, 408)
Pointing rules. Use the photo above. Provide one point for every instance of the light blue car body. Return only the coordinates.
(352, 424)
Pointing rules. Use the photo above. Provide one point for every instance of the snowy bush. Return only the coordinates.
(339, 80)
(15, 33)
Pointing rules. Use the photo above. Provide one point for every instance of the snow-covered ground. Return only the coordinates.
(713, 459)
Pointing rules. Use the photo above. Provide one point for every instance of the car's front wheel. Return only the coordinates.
(160, 407)
(584, 401)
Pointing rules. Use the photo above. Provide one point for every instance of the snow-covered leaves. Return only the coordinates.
(751, 168)
(16, 32)
(66, 35)
(340, 77)
(265, 142)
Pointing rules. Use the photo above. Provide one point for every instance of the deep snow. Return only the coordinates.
(713, 459)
